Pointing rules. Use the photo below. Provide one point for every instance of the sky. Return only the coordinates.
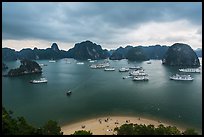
(109, 24)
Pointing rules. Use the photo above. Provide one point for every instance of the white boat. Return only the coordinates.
(42, 80)
(135, 67)
(149, 62)
(127, 77)
(93, 66)
(52, 61)
(138, 73)
(181, 77)
(140, 78)
(123, 69)
(43, 64)
(91, 61)
(109, 69)
(193, 70)
(80, 63)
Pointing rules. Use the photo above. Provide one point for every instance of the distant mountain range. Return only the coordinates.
(89, 50)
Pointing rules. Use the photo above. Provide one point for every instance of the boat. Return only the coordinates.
(123, 69)
(80, 63)
(43, 64)
(93, 66)
(109, 69)
(149, 62)
(140, 78)
(42, 80)
(127, 77)
(138, 73)
(52, 61)
(192, 70)
(181, 77)
(69, 93)
(91, 61)
(135, 67)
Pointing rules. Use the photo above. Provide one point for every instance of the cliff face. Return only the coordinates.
(120, 53)
(4, 66)
(180, 54)
(87, 50)
(26, 67)
(136, 54)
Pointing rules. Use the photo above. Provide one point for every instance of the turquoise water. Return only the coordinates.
(96, 92)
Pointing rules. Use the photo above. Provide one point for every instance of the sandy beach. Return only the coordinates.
(106, 125)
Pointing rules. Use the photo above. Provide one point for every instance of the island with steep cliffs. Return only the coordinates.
(180, 54)
(26, 67)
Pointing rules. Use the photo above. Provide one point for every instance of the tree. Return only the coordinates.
(190, 131)
(82, 132)
(51, 128)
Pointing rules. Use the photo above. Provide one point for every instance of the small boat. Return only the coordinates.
(68, 93)
(52, 61)
(91, 61)
(93, 66)
(149, 62)
(127, 77)
(181, 77)
(80, 63)
(42, 80)
(109, 69)
(43, 64)
(123, 69)
(191, 70)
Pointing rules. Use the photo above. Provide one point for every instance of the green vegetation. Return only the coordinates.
(19, 126)
(82, 132)
(136, 54)
(135, 129)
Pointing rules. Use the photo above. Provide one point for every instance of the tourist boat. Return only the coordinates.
(52, 61)
(91, 61)
(123, 69)
(181, 77)
(43, 64)
(135, 67)
(93, 66)
(109, 69)
(42, 80)
(193, 70)
(140, 78)
(127, 77)
(149, 62)
(138, 73)
(68, 93)
(80, 63)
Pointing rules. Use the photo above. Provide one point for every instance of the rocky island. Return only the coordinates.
(180, 54)
(4, 66)
(136, 54)
(26, 67)
(87, 50)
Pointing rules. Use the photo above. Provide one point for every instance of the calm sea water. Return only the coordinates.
(96, 92)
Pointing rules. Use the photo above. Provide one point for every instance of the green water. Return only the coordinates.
(96, 92)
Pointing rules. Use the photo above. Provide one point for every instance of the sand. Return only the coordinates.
(98, 126)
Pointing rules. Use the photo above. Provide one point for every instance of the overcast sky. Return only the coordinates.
(108, 24)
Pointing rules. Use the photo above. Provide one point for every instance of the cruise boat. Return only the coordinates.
(127, 77)
(149, 62)
(43, 64)
(42, 80)
(123, 69)
(138, 73)
(91, 61)
(93, 66)
(181, 77)
(140, 78)
(193, 70)
(135, 67)
(109, 69)
(80, 63)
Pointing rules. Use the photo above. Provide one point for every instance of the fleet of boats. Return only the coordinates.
(41, 80)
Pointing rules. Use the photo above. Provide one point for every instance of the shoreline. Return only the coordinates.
(105, 125)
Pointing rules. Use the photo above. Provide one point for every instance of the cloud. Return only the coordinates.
(107, 23)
